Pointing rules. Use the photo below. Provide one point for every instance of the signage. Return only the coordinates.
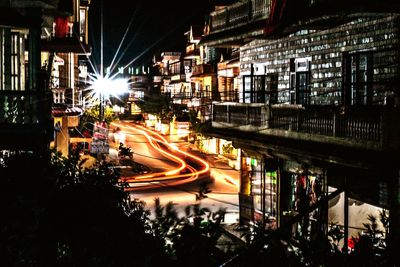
(100, 139)
(99, 147)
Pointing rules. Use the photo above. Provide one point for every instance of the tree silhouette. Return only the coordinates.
(58, 214)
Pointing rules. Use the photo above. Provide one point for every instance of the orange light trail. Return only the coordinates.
(170, 176)
(164, 152)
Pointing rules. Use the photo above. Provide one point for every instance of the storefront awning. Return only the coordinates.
(61, 111)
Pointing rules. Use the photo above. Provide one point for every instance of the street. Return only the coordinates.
(176, 174)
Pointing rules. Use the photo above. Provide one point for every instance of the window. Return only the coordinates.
(82, 22)
(260, 88)
(264, 188)
(302, 88)
(300, 81)
(357, 76)
(12, 65)
(272, 88)
(254, 88)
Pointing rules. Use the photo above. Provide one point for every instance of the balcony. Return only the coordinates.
(202, 70)
(192, 51)
(238, 21)
(21, 119)
(373, 128)
(178, 78)
(182, 96)
(64, 39)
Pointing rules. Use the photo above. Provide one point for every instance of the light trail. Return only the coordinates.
(164, 152)
(172, 177)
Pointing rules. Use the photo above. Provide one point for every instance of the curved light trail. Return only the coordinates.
(170, 177)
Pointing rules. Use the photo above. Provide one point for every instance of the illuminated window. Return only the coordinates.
(82, 22)
(260, 88)
(12, 63)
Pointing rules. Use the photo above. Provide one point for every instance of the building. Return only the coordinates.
(141, 87)
(25, 96)
(317, 110)
(64, 47)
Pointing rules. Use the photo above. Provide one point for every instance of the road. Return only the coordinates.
(176, 174)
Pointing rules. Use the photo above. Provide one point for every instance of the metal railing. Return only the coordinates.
(364, 123)
(240, 114)
(239, 13)
(19, 107)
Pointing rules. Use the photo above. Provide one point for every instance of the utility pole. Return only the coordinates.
(101, 96)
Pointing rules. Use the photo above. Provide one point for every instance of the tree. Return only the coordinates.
(189, 240)
(59, 214)
(157, 104)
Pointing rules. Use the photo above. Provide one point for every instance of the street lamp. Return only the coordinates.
(104, 87)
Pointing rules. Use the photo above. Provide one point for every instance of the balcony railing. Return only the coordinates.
(18, 107)
(240, 114)
(239, 14)
(372, 125)
(362, 123)
(202, 69)
(192, 50)
(190, 95)
(178, 78)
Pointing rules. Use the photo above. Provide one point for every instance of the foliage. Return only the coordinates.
(59, 214)
(158, 105)
(335, 235)
(190, 240)
(280, 248)
(92, 115)
(202, 127)
(227, 148)
(193, 119)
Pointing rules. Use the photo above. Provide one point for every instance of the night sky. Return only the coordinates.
(156, 24)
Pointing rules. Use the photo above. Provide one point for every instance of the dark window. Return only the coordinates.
(272, 88)
(303, 88)
(254, 88)
(358, 72)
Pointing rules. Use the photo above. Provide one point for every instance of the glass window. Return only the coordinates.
(254, 88)
(12, 60)
(264, 186)
(302, 88)
(358, 76)
(82, 22)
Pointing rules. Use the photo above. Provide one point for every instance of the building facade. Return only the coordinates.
(25, 98)
(318, 94)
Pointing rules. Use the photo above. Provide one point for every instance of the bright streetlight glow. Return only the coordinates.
(109, 87)
(104, 87)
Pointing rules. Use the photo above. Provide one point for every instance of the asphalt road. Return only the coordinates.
(179, 187)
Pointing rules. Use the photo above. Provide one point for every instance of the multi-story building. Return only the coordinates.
(317, 116)
(64, 46)
(25, 96)
(141, 85)
(202, 75)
